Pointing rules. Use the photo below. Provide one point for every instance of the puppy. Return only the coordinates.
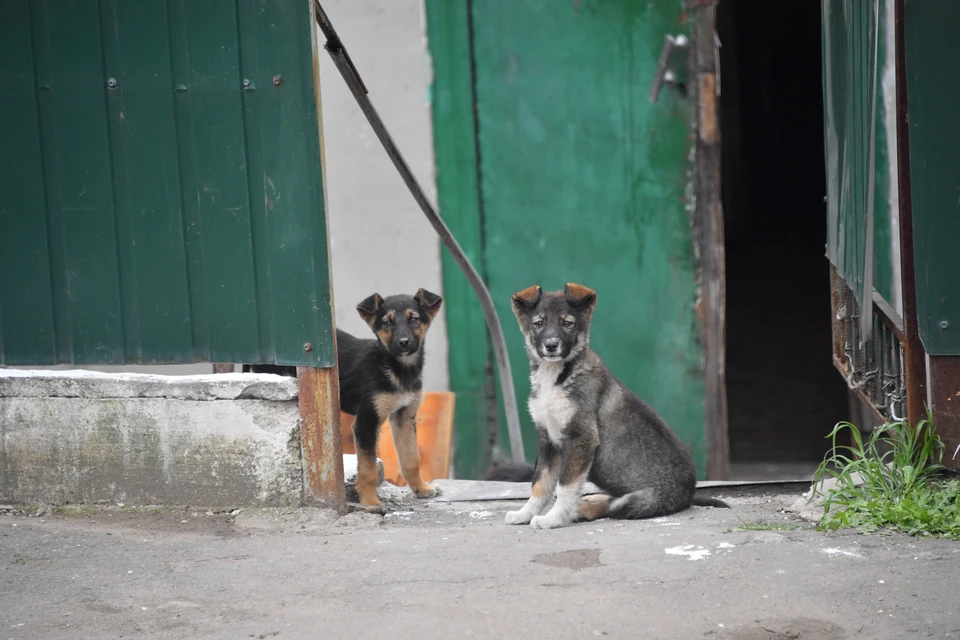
(382, 379)
(591, 426)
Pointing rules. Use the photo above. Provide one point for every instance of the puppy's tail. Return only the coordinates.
(646, 503)
(700, 501)
(512, 472)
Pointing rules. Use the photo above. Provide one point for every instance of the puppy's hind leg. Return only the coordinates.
(403, 425)
(545, 478)
(365, 431)
(594, 506)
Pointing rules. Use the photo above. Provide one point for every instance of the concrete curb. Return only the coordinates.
(216, 441)
(95, 385)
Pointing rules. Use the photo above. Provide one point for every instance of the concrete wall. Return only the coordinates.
(380, 240)
(216, 441)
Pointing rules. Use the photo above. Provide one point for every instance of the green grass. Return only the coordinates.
(766, 526)
(902, 485)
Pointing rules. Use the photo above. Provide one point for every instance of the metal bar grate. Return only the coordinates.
(872, 364)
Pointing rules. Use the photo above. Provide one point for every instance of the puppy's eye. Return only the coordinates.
(388, 323)
(568, 323)
(538, 323)
(414, 319)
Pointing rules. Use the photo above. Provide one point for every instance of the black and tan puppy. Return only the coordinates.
(591, 426)
(382, 380)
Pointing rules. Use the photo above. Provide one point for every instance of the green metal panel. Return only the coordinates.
(849, 70)
(857, 168)
(581, 179)
(931, 47)
(161, 197)
(448, 32)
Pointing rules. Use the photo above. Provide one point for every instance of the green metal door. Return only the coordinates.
(161, 196)
(554, 166)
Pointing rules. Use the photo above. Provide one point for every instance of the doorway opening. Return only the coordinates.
(783, 394)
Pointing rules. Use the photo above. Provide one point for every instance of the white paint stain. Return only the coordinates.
(830, 551)
(480, 515)
(693, 552)
(665, 522)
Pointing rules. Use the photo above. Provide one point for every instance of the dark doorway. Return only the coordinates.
(783, 393)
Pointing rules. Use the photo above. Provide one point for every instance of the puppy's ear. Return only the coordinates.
(524, 301)
(369, 309)
(582, 298)
(429, 301)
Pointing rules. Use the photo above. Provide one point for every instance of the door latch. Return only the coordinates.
(665, 75)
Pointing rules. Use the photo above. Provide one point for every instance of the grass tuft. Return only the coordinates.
(766, 526)
(892, 481)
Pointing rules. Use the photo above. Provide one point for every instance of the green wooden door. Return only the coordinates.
(564, 171)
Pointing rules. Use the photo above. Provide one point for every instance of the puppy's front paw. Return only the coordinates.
(427, 491)
(517, 517)
(549, 521)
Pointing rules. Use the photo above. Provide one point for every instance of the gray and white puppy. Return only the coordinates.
(591, 426)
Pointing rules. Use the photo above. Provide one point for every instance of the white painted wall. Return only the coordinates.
(379, 239)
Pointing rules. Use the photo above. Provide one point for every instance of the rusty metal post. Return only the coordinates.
(944, 386)
(935, 379)
(321, 446)
(913, 352)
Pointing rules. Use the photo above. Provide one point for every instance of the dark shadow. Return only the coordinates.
(783, 393)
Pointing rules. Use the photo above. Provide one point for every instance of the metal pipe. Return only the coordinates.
(352, 77)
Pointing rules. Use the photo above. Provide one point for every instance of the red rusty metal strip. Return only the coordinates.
(836, 303)
(913, 352)
(944, 384)
(320, 436)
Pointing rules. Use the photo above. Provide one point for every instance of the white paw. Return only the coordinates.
(518, 517)
(549, 521)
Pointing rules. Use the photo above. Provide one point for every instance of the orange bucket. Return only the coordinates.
(434, 438)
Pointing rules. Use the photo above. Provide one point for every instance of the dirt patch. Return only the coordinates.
(577, 559)
(791, 629)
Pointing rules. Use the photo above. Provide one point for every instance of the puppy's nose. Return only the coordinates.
(551, 345)
(404, 342)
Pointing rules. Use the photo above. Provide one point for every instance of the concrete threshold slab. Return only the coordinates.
(94, 385)
(479, 491)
